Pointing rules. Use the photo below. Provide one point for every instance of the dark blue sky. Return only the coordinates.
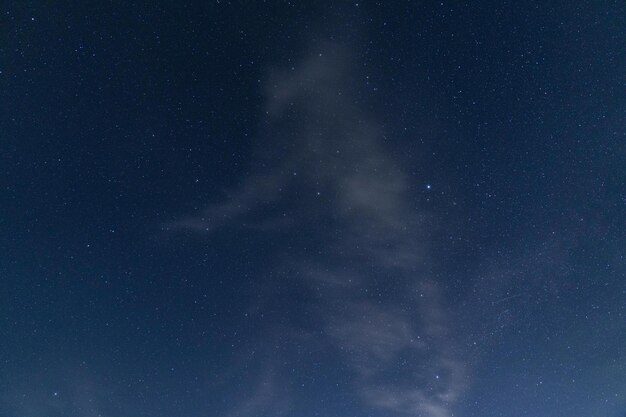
(334, 209)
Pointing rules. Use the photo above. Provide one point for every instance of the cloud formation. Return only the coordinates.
(376, 305)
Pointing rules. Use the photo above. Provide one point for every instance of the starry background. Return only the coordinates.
(258, 209)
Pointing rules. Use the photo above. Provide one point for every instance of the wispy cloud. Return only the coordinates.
(266, 398)
(376, 304)
(58, 392)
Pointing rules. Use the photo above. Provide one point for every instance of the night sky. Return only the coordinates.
(300, 209)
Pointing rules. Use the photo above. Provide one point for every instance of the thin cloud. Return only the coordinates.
(267, 398)
(376, 305)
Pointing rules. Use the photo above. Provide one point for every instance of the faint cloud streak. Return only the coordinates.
(376, 304)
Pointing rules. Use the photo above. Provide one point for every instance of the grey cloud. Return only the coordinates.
(374, 334)
(267, 398)
(377, 305)
(253, 193)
